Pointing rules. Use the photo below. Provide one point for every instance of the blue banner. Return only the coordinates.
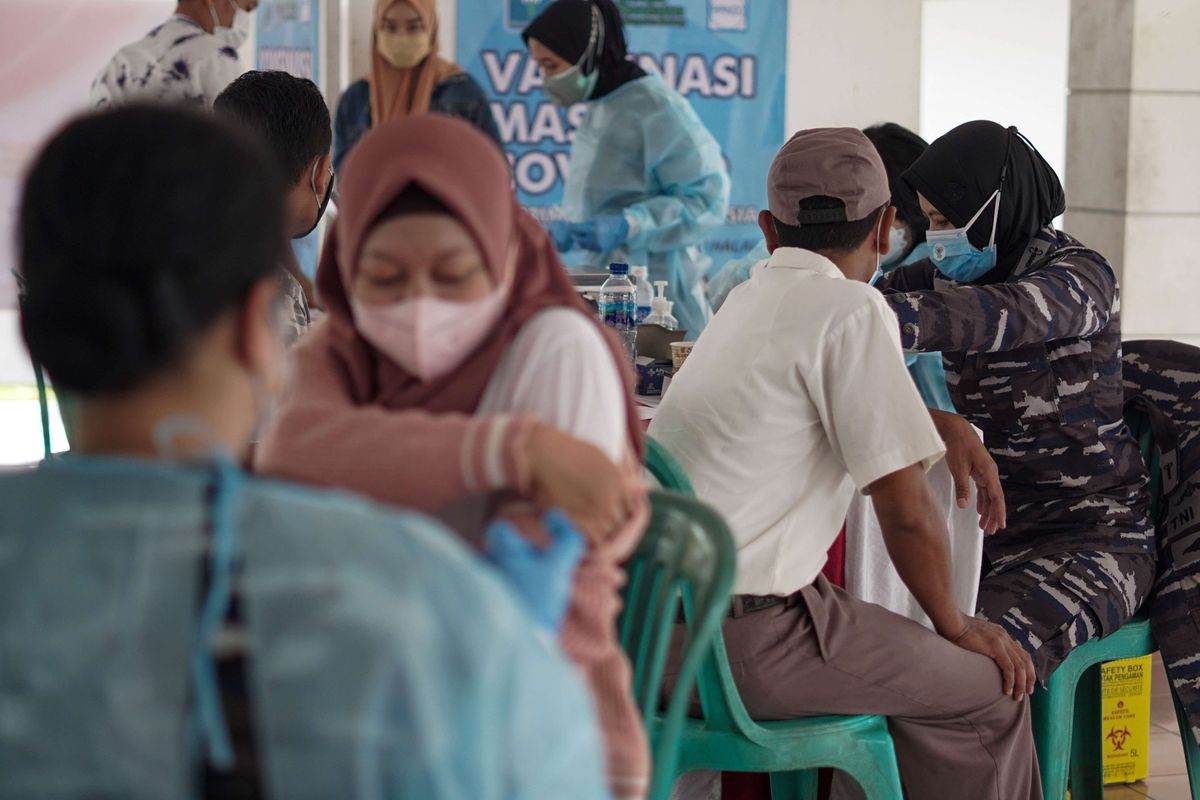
(727, 57)
(289, 37)
(289, 40)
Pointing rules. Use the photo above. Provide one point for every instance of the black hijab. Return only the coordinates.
(565, 27)
(962, 169)
(899, 148)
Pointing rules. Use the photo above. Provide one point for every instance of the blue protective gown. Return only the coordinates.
(735, 272)
(926, 369)
(642, 152)
(384, 660)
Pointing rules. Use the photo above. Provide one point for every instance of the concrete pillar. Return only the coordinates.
(1133, 156)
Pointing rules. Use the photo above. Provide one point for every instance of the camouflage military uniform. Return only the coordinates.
(1162, 380)
(1035, 363)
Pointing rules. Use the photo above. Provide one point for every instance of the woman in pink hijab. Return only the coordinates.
(454, 339)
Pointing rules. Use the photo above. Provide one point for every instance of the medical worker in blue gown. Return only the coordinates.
(647, 181)
(171, 627)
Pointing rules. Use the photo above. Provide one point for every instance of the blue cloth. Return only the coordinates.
(735, 272)
(927, 369)
(384, 660)
(930, 376)
(457, 96)
(641, 152)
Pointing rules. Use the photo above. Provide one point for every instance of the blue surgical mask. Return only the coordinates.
(954, 255)
(571, 86)
(897, 244)
(919, 253)
(574, 85)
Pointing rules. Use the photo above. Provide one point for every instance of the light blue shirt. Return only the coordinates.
(385, 661)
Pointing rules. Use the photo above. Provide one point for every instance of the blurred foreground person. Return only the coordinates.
(454, 339)
(173, 627)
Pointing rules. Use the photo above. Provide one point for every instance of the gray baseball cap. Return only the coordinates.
(832, 162)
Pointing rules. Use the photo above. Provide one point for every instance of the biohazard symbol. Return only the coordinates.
(1119, 738)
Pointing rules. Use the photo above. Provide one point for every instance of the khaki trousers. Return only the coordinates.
(956, 734)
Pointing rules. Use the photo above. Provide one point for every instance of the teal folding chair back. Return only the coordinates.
(683, 567)
(1067, 720)
(724, 737)
(1139, 426)
(663, 467)
(727, 739)
(43, 407)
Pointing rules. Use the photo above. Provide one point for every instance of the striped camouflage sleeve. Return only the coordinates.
(1069, 298)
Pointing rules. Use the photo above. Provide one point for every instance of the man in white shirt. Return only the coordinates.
(188, 59)
(776, 417)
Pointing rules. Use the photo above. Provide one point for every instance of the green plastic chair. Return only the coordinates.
(728, 740)
(1067, 722)
(686, 558)
(663, 467)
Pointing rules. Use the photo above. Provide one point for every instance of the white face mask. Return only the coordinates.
(236, 35)
(427, 336)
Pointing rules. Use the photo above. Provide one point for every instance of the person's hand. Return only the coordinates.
(601, 234)
(542, 578)
(986, 638)
(560, 232)
(968, 461)
(580, 479)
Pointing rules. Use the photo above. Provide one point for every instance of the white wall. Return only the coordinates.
(853, 62)
(1004, 61)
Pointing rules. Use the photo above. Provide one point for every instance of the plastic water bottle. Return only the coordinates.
(661, 313)
(618, 307)
(641, 284)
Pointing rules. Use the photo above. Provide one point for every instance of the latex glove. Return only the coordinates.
(560, 232)
(542, 578)
(601, 234)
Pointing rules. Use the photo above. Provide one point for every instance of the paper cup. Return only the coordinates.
(679, 353)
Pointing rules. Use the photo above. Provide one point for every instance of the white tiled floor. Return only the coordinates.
(1168, 773)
